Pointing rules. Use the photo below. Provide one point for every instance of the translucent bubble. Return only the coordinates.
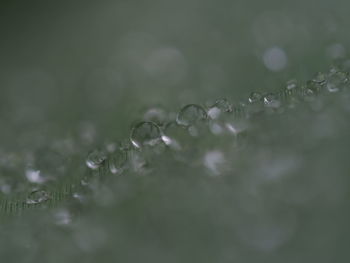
(271, 100)
(37, 197)
(336, 81)
(291, 85)
(320, 78)
(116, 162)
(220, 106)
(223, 105)
(175, 136)
(255, 97)
(311, 90)
(190, 115)
(95, 159)
(145, 134)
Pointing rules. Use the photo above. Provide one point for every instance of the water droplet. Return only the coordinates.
(95, 159)
(37, 197)
(310, 91)
(219, 107)
(190, 115)
(271, 100)
(320, 78)
(336, 81)
(145, 134)
(255, 97)
(291, 85)
(117, 161)
(174, 135)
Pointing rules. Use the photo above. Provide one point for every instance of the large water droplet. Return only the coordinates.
(95, 159)
(190, 115)
(145, 134)
(37, 197)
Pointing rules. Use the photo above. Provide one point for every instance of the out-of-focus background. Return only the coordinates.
(65, 61)
(76, 75)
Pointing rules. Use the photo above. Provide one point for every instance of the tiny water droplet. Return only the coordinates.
(223, 105)
(37, 197)
(320, 78)
(219, 107)
(255, 97)
(272, 101)
(291, 85)
(116, 162)
(190, 115)
(145, 134)
(95, 159)
(336, 81)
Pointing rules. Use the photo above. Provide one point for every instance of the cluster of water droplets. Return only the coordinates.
(161, 132)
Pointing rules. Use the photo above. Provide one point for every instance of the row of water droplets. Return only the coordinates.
(182, 134)
(160, 131)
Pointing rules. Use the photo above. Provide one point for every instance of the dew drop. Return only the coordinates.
(175, 136)
(219, 107)
(320, 78)
(95, 159)
(336, 81)
(145, 134)
(255, 97)
(272, 101)
(291, 85)
(190, 115)
(117, 161)
(37, 197)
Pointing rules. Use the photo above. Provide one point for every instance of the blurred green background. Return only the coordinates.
(75, 75)
(100, 61)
